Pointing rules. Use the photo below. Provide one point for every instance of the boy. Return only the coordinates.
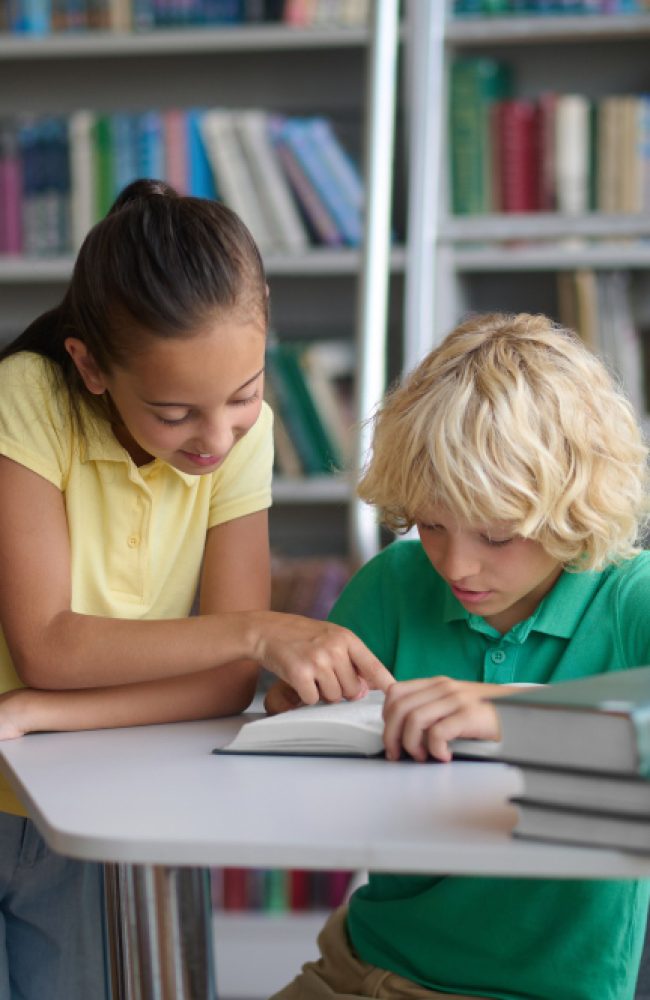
(524, 470)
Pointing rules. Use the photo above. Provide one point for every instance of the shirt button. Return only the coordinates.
(498, 656)
(133, 541)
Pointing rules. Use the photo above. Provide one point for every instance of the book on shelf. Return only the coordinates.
(232, 175)
(573, 826)
(550, 151)
(277, 890)
(599, 723)
(517, 155)
(42, 17)
(285, 223)
(83, 174)
(315, 447)
(10, 191)
(329, 370)
(600, 307)
(311, 143)
(81, 162)
(476, 84)
(546, 8)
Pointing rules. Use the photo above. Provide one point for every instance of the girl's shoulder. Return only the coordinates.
(29, 372)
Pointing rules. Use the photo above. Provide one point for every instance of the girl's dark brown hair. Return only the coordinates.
(159, 264)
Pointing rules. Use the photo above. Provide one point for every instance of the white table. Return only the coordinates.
(154, 803)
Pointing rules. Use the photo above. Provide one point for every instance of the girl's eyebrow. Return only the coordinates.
(156, 402)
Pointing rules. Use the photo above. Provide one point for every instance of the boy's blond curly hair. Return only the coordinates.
(513, 420)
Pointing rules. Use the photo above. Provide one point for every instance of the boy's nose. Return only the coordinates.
(458, 562)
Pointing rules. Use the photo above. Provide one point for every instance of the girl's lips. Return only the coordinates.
(203, 461)
(470, 596)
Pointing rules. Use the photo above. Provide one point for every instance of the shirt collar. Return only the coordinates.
(557, 614)
(99, 444)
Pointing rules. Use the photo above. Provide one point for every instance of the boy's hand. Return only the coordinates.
(318, 659)
(280, 697)
(421, 716)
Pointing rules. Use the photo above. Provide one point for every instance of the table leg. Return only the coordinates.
(159, 933)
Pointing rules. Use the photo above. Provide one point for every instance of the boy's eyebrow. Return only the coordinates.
(156, 402)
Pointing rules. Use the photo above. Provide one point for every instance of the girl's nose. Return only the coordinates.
(215, 438)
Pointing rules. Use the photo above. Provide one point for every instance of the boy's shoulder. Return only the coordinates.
(403, 559)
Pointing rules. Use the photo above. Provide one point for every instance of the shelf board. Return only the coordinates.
(317, 262)
(552, 257)
(175, 41)
(542, 226)
(544, 28)
(312, 490)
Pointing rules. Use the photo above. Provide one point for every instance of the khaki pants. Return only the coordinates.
(340, 975)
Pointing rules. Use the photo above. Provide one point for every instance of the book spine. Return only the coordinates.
(517, 126)
(231, 174)
(296, 135)
(475, 85)
(310, 457)
(318, 218)
(275, 195)
(11, 190)
(200, 180)
(572, 153)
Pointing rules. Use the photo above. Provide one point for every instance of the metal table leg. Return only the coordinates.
(159, 933)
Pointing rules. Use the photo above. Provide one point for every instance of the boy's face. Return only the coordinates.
(491, 572)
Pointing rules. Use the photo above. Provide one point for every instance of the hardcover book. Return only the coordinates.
(599, 723)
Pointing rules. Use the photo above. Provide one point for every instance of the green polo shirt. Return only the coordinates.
(509, 938)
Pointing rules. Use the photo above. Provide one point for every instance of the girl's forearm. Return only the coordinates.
(78, 651)
(197, 696)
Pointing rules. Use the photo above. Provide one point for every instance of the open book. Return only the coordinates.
(347, 728)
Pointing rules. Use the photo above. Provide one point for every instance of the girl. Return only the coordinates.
(135, 458)
(523, 469)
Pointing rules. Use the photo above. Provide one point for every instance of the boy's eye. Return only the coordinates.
(496, 542)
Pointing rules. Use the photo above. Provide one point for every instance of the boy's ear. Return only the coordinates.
(93, 377)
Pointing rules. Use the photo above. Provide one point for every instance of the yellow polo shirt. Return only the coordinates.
(137, 535)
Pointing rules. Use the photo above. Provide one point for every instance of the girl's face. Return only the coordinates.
(492, 573)
(184, 400)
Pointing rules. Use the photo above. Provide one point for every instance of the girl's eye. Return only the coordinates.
(172, 423)
(496, 542)
(246, 400)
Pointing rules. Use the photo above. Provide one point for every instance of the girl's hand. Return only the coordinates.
(421, 716)
(319, 660)
(13, 717)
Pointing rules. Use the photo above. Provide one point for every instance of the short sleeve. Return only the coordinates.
(243, 483)
(633, 620)
(35, 420)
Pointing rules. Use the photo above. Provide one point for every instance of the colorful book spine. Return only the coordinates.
(477, 83)
(277, 890)
(11, 192)
(296, 135)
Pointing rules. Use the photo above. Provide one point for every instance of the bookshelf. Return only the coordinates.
(320, 69)
(458, 263)
(314, 295)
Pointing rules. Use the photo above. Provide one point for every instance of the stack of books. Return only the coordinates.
(583, 748)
